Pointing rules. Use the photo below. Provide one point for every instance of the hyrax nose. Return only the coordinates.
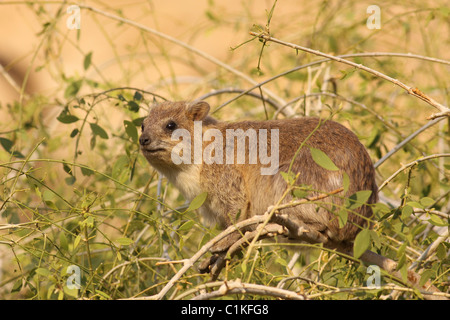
(144, 140)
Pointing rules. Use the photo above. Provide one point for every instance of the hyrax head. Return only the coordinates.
(159, 126)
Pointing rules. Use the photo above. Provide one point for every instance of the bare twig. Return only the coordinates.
(236, 287)
(406, 140)
(443, 110)
(411, 164)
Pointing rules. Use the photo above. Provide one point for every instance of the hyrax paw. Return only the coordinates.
(205, 266)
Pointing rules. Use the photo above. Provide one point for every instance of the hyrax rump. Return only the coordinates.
(236, 189)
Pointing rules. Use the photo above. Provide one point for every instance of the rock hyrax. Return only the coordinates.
(190, 148)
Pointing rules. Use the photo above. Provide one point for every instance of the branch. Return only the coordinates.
(183, 45)
(411, 164)
(236, 287)
(443, 110)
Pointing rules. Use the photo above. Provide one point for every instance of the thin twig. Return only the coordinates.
(238, 287)
(443, 110)
(411, 164)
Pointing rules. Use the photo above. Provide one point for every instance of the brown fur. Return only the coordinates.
(234, 188)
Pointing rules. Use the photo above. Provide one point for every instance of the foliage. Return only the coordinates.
(75, 190)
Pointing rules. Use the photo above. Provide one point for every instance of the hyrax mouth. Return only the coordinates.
(154, 150)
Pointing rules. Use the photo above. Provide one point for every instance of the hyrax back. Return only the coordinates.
(242, 189)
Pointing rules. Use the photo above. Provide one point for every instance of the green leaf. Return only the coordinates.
(187, 225)
(131, 130)
(133, 106)
(343, 216)
(76, 242)
(406, 212)
(137, 96)
(6, 144)
(415, 204)
(322, 159)
(70, 180)
(197, 202)
(299, 193)
(121, 169)
(436, 221)
(362, 243)
(281, 261)
(74, 133)
(43, 272)
(374, 237)
(288, 177)
(426, 202)
(63, 243)
(345, 181)
(73, 89)
(87, 60)
(86, 171)
(425, 276)
(441, 251)
(66, 117)
(357, 199)
(98, 131)
(124, 241)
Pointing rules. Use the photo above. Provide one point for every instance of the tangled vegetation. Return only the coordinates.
(77, 198)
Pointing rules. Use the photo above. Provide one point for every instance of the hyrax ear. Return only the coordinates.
(197, 110)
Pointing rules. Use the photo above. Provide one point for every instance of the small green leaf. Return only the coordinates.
(103, 295)
(73, 88)
(281, 261)
(66, 117)
(197, 202)
(17, 286)
(343, 216)
(76, 242)
(374, 237)
(436, 221)
(6, 144)
(415, 204)
(74, 133)
(98, 131)
(426, 202)
(357, 199)
(124, 241)
(70, 180)
(299, 193)
(64, 245)
(322, 159)
(133, 106)
(187, 225)
(87, 60)
(362, 243)
(288, 177)
(441, 251)
(86, 171)
(425, 276)
(406, 212)
(345, 181)
(137, 96)
(43, 272)
(131, 130)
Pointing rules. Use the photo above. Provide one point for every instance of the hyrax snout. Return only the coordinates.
(239, 165)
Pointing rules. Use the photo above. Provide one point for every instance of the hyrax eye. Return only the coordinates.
(171, 125)
(142, 127)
